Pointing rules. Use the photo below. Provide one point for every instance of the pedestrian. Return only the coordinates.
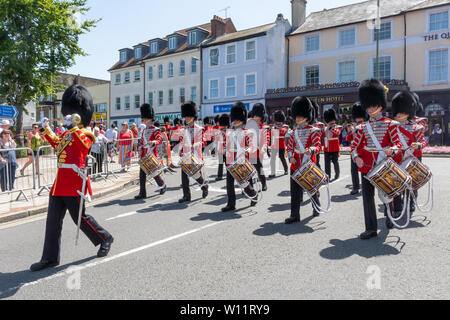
(8, 162)
(111, 135)
(124, 145)
(135, 132)
(4, 125)
(34, 141)
(98, 150)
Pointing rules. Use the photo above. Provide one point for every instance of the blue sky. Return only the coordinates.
(127, 23)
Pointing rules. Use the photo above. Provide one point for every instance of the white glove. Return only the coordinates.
(67, 121)
(44, 122)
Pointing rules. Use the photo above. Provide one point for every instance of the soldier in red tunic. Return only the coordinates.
(372, 95)
(306, 137)
(262, 142)
(278, 142)
(149, 139)
(319, 125)
(331, 143)
(72, 149)
(220, 140)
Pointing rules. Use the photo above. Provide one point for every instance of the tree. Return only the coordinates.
(38, 39)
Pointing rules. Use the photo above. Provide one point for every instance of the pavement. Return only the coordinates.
(166, 250)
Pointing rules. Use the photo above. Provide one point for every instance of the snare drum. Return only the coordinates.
(310, 177)
(191, 165)
(389, 178)
(242, 171)
(151, 165)
(420, 173)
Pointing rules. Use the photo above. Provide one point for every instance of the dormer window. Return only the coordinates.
(123, 56)
(172, 43)
(192, 38)
(138, 53)
(154, 48)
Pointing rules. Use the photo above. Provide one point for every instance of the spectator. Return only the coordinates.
(4, 125)
(124, 146)
(436, 135)
(101, 129)
(34, 142)
(111, 135)
(8, 162)
(59, 130)
(98, 150)
(135, 132)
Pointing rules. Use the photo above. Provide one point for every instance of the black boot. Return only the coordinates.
(389, 223)
(291, 220)
(163, 190)
(204, 191)
(354, 191)
(104, 248)
(184, 199)
(228, 208)
(368, 234)
(43, 264)
(140, 196)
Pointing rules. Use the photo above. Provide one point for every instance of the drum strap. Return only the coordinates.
(409, 151)
(375, 142)
(301, 147)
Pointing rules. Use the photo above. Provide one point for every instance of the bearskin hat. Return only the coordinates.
(329, 115)
(189, 109)
(238, 112)
(372, 93)
(420, 112)
(147, 111)
(258, 110)
(404, 102)
(279, 116)
(224, 120)
(157, 124)
(207, 120)
(166, 119)
(216, 120)
(77, 99)
(359, 112)
(302, 107)
(177, 121)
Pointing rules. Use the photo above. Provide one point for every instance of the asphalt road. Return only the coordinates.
(166, 250)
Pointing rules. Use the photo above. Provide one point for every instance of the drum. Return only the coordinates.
(389, 178)
(242, 171)
(151, 165)
(310, 177)
(419, 172)
(191, 165)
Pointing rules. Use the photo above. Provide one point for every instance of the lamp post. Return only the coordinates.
(201, 82)
(377, 32)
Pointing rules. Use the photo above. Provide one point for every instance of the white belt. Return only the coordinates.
(74, 167)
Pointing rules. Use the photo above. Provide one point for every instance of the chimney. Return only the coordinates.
(298, 13)
(218, 27)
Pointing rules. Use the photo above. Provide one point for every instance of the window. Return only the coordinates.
(230, 86)
(172, 43)
(347, 37)
(127, 103)
(117, 103)
(137, 75)
(384, 33)
(438, 64)
(213, 89)
(123, 56)
(160, 98)
(250, 84)
(160, 71)
(231, 54)
(154, 48)
(150, 99)
(250, 50)
(182, 68)
(346, 71)
(118, 78)
(312, 43)
(439, 21)
(192, 38)
(101, 107)
(170, 70)
(312, 75)
(214, 57)
(127, 77)
(194, 65)
(384, 69)
(194, 94)
(170, 96)
(182, 95)
(137, 101)
(138, 53)
(150, 73)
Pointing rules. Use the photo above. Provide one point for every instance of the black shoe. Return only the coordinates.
(271, 176)
(354, 191)
(163, 190)
(228, 208)
(412, 208)
(204, 192)
(389, 223)
(291, 220)
(139, 197)
(253, 203)
(219, 178)
(264, 187)
(43, 264)
(184, 200)
(336, 177)
(315, 213)
(368, 234)
(286, 173)
(104, 248)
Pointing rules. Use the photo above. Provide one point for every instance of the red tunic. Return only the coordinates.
(235, 137)
(331, 138)
(197, 142)
(148, 135)
(209, 133)
(220, 140)
(168, 130)
(176, 133)
(309, 136)
(386, 132)
(412, 132)
(72, 148)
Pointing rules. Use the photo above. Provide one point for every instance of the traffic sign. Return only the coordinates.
(8, 112)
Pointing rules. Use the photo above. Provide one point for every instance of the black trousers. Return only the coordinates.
(297, 198)
(98, 166)
(222, 160)
(332, 157)
(185, 184)
(261, 176)
(318, 160)
(232, 194)
(57, 208)
(355, 175)
(143, 181)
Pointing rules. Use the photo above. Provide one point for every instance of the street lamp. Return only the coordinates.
(377, 28)
(201, 82)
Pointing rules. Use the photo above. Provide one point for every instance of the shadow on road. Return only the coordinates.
(375, 247)
(270, 228)
(10, 283)
(344, 197)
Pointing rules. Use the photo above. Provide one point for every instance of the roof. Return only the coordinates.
(247, 33)
(360, 12)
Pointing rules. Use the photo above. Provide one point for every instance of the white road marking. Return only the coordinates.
(120, 255)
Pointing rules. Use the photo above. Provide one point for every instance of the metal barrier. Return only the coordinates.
(11, 179)
(47, 168)
(120, 155)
